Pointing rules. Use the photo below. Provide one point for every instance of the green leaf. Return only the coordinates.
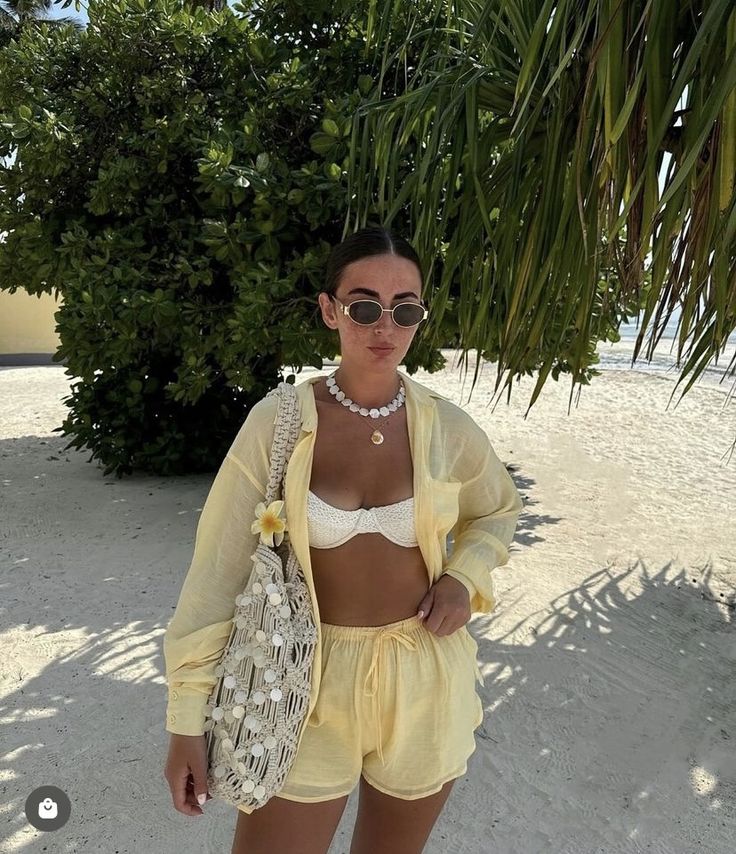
(365, 83)
(330, 127)
(321, 143)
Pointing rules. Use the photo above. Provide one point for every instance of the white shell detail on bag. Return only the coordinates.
(252, 733)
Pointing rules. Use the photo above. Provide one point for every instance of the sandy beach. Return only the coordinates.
(609, 663)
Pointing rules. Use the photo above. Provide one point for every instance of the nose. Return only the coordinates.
(386, 322)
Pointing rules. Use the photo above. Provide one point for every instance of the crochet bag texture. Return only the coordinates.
(257, 709)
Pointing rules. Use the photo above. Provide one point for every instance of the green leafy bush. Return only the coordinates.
(179, 178)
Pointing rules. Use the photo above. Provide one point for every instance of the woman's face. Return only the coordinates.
(388, 279)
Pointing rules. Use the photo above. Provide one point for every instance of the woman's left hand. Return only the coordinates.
(446, 606)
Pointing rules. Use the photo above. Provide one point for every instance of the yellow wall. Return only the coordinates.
(27, 324)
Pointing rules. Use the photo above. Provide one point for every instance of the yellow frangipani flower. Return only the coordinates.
(268, 523)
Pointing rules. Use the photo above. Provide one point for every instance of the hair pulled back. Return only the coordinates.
(364, 243)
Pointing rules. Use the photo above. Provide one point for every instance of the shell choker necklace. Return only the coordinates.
(374, 412)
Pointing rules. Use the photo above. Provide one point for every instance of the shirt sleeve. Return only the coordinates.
(489, 509)
(220, 567)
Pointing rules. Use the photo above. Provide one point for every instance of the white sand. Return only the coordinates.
(610, 661)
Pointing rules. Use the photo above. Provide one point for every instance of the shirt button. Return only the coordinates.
(172, 719)
(174, 695)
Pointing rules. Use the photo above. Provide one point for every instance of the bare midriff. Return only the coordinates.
(368, 580)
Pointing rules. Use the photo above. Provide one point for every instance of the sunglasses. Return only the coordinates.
(366, 312)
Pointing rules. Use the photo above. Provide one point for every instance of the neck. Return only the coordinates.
(368, 390)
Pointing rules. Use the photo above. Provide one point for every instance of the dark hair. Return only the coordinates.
(373, 240)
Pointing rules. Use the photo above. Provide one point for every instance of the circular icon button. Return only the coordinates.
(48, 808)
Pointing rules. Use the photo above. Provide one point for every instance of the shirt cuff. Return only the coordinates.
(186, 711)
(480, 601)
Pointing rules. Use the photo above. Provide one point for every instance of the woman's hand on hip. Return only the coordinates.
(446, 606)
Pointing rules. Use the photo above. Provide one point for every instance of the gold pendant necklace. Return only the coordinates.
(377, 436)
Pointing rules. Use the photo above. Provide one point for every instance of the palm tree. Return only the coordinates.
(538, 136)
(17, 14)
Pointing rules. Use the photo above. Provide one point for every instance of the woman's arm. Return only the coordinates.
(489, 509)
(220, 567)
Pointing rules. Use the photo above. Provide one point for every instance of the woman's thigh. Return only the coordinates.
(288, 827)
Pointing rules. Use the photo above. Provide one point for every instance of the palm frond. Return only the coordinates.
(540, 131)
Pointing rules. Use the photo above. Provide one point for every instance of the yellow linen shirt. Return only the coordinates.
(461, 490)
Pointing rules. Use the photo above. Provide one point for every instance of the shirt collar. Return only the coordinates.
(417, 396)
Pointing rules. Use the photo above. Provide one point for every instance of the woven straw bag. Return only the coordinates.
(257, 709)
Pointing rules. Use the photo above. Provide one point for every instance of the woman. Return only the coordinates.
(370, 502)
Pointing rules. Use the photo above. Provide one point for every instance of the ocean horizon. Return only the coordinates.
(618, 356)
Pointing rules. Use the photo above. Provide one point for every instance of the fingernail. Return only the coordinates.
(201, 799)
(420, 614)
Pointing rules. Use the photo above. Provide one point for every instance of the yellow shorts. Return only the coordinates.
(396, 704)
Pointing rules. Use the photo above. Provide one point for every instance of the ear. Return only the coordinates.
(329, 311)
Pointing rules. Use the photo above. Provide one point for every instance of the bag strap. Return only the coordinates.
(285, 434)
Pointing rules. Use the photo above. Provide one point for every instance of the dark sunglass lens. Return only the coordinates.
(363, 311)
(408, 314)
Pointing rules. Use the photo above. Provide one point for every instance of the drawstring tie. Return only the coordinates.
(373, 672)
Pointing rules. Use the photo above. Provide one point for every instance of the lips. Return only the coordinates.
(381, 349)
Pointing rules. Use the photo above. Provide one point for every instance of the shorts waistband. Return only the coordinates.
(408, 625)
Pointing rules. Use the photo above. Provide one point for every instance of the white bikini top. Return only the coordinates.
(331, 526)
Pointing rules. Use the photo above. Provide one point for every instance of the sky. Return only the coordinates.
(81, 15)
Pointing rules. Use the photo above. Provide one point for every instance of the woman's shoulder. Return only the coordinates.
(261, 412)
(257, 428)
(455, 415)
(450, 415)
(467, 433)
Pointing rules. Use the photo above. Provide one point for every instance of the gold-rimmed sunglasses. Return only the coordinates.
(366, 312)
